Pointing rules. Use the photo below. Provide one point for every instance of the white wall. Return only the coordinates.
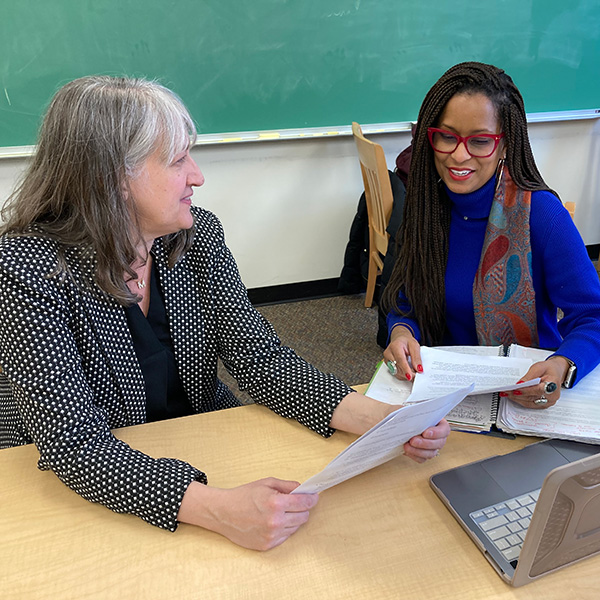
(287, 206)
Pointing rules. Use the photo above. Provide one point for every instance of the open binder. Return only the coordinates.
(576, 416)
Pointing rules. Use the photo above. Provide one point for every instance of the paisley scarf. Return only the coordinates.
(503, 294)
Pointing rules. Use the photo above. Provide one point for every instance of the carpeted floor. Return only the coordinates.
(337, 335)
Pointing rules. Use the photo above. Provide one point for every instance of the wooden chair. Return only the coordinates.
(378, 194)
(570, 206)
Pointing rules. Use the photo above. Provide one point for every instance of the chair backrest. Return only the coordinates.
(570, 206)
(378, 190)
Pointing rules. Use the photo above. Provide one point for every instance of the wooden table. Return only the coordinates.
(383, 534)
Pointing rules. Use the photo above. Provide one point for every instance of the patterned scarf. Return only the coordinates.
(503, 294)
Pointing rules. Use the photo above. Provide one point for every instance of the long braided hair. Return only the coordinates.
(423, 238)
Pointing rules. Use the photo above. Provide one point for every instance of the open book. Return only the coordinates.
(576, 416)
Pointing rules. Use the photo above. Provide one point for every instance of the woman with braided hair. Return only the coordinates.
(488, 253)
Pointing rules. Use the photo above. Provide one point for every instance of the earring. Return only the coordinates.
(499, 172)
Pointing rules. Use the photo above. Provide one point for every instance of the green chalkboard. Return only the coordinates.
(251, 65)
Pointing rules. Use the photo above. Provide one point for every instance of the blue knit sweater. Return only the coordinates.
(563, 276)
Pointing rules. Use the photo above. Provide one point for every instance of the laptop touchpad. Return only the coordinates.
(524, 470)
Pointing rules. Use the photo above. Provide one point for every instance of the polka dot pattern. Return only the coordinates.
(70, 373)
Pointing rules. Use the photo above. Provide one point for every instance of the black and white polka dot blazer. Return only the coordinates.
(70, 372)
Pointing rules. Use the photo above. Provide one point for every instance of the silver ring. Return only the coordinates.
(391, 365)
(549, 387)
(542, 400)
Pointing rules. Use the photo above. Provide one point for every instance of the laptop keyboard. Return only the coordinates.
(506, 523)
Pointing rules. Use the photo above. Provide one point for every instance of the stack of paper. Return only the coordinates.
(576, 416)
(453, 367)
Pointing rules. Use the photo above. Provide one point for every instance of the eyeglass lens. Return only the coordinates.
(478, 146)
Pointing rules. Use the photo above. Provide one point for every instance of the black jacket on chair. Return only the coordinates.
(356, 257)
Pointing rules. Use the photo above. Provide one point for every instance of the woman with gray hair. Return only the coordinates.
(118, 297)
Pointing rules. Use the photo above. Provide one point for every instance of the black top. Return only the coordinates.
(165, 396)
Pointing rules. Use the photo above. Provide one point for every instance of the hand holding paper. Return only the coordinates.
(443, 371)
(382, 442)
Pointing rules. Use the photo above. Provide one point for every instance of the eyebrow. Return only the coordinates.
(453, 130)
(179, 154)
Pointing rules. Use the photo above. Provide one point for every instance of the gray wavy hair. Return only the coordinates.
(96, 135)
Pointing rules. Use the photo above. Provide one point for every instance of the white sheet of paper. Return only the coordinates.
(382, 442)
(477, 350)
(443, 371)
(574, 416)
(387, 388)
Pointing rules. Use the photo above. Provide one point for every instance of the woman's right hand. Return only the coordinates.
(258, 515)
(402, 347)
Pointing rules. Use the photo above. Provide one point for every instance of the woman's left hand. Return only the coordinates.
(357, 414)
(552, 370)
(428, 444)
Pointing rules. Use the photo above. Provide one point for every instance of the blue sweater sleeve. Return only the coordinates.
(393, 319)
(571, 283)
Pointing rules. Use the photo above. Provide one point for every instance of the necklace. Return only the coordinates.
(145, 268)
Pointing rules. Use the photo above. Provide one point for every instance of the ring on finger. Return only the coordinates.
(549, 387)
(542, 400)
(391, 365)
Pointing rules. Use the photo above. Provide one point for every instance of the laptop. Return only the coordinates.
(530, 512)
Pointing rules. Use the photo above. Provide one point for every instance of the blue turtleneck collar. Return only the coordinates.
(474, 205)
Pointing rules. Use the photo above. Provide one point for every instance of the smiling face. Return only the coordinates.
(468, 114)
(162, 194)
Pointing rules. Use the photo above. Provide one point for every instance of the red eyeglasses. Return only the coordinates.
(481, 145)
